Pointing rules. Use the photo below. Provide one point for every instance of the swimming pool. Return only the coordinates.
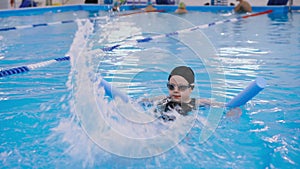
(43, 111)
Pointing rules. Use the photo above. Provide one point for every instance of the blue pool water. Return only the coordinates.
(56, 116)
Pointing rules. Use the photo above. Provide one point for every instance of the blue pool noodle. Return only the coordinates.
(248, 93)
(113, 92)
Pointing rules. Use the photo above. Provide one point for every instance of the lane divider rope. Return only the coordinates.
(148, 39)
(23, 69)
(45, 24)
(69, 21)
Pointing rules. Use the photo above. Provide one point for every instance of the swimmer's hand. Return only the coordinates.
(234, 113)
(209, 102)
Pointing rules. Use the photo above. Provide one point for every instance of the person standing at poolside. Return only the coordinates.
(28, 3)
(12, 3)
(243, 7)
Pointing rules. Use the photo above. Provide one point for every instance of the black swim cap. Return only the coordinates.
(186, 72)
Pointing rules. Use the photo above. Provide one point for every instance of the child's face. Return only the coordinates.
(177, 94)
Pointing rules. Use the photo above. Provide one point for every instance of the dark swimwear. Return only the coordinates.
(167, 105)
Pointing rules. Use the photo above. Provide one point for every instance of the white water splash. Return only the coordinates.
(114, 126)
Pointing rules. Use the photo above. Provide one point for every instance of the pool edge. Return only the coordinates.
(167, 8)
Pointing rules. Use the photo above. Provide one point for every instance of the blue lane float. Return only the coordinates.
(27, 68)
(248, 93)
(13, 71)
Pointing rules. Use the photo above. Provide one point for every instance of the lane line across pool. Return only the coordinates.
(26, 68)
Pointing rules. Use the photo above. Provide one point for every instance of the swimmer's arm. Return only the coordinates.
(153, 99)
(233, 112)
(209, 102)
